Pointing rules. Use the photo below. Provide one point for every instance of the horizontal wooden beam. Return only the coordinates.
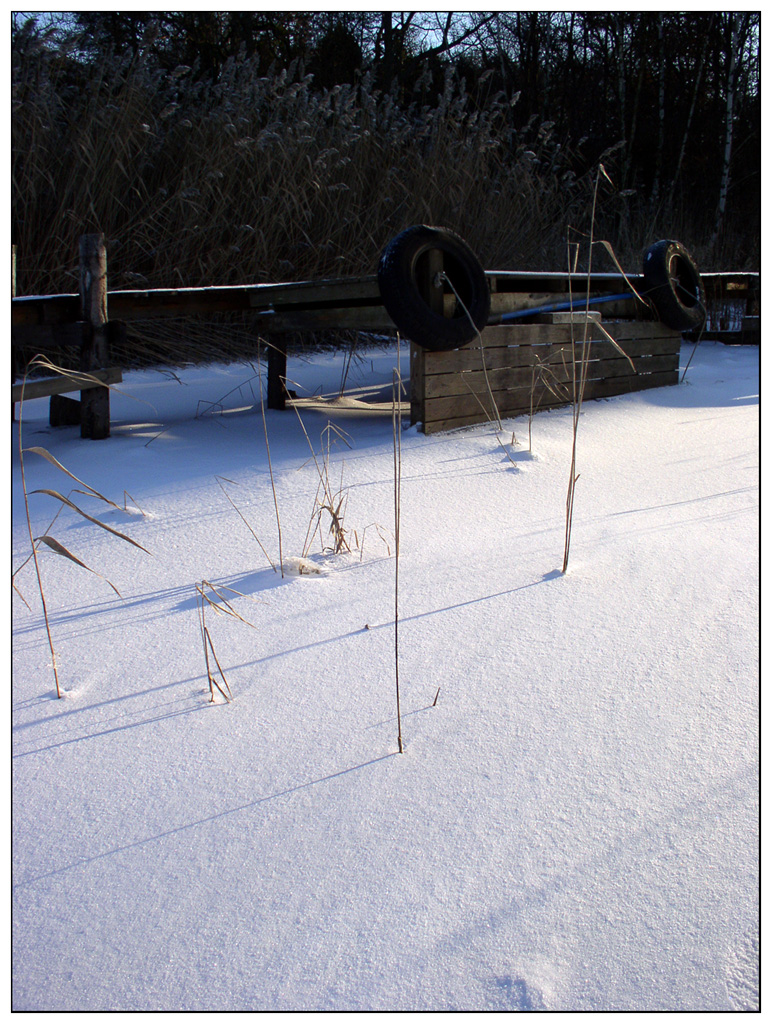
(72, 381)
(518, 402)
(43, 336)
(353, 303)
(507, 378)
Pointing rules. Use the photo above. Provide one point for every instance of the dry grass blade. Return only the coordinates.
(39, 578)
(578, 387)
(29, 556)
(610, 250)
(79, 376)
(476, 397)
(225, 607)
(616, 345)
(45, 454)
(344, 436)
(133, 501)
(397, 432)
(60, 549)
(219, 402)
(332, 501)
(24, 599)
(229, 695)
(445, 277)
(270, 466)
(91, 519)
(246, 523)
(380, 531)
(208, 644)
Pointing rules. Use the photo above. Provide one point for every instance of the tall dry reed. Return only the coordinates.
(262, 178)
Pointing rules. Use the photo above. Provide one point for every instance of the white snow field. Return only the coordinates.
(573, 825)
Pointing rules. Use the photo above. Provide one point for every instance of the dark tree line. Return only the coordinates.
(670, 100)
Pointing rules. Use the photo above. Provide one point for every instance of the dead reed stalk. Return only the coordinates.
(222, 607)
(65, 501)
(270, 467)
(34, 545)
(460, 301)
(396, 422)
(579, 383)
(194, 185)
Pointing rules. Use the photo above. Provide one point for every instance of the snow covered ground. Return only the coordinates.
(573, 824)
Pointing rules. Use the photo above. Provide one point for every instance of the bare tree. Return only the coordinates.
(739, 26)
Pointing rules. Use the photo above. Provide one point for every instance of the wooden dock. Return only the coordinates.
(41, 322)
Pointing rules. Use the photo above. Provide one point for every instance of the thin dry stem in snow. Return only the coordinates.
(396, 423)
(34, 545)
(460, 301)
(221, 607)
(52, 543)
(270, 467)
(244, 520)
(578, 385)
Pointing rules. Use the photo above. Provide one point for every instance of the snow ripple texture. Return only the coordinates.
(742, 974)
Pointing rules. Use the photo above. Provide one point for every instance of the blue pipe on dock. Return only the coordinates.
(556, 307)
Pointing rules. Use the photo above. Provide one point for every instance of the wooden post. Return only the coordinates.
(94, 403)
(13, 296)
(431, 266)
(276, 391)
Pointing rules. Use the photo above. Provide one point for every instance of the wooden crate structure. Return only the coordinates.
(527, 367)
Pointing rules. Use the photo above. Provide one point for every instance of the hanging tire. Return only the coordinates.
(402, 270)
(672, 282)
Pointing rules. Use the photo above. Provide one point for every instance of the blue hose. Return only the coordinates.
(556, 307)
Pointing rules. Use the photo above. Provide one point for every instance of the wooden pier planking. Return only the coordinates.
(532, 366)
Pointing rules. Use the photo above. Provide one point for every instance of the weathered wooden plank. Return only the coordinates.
(511, 290)
(417, 387)
(516, 334)
(168, 303)
(508, 377)
(519, 403)
(43, 336)
(615, 373)
(363, 318)
(73, 381)
(569, 317)
(44, 309)
(142, 304)
(525, 345)
(627, 385)
(555, 281)
(547, 355)
(510, 302)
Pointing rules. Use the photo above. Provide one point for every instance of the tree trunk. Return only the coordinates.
(661, 119)
(687, 129)
(737, 25)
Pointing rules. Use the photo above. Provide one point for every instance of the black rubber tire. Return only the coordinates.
(399, 272)
(672, 282)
